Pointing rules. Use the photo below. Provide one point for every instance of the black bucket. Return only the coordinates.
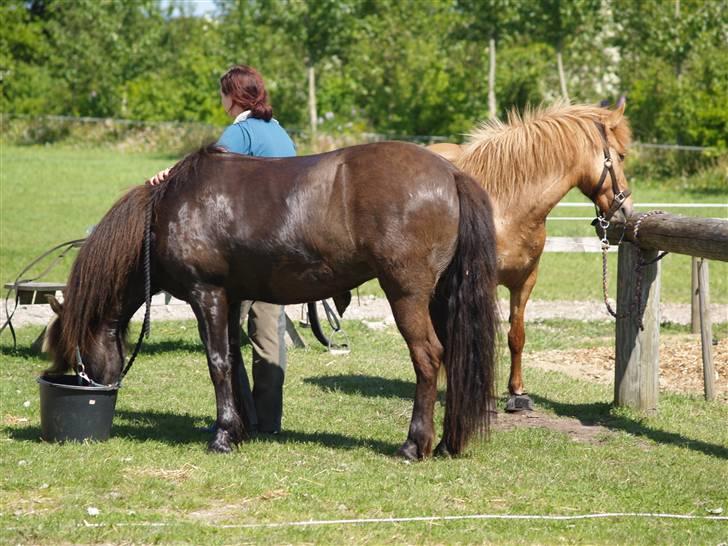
(70, 410)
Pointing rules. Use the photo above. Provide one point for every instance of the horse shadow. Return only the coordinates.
(599, 413)
(175, 430)
(370, 386)
(20, 351)
(177, 345)
(364, 385)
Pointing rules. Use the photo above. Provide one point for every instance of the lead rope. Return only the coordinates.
(636, 304)
(146, 325)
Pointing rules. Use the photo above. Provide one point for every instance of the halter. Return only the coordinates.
(619, 196)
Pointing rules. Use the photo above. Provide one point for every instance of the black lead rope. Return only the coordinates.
(146, 326)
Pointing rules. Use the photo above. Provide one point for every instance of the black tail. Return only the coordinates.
(465, 315)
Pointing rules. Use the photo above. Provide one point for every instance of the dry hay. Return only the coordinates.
(181, 474)
(681, 364)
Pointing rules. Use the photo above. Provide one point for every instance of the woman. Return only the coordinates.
(254, 132)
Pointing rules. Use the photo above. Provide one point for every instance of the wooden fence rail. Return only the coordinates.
(637, 349)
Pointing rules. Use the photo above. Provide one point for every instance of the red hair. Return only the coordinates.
(244, 85)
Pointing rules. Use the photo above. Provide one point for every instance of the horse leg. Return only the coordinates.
(412, 316)
(516, 340)
(210, 306)
(241, 384)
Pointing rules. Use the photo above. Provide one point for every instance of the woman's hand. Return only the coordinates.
(158, 178)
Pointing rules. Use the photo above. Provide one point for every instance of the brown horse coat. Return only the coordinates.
(227, 228)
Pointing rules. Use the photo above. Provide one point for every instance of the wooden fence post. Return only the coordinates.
(636, 381)
(694, 303)
(706, 330)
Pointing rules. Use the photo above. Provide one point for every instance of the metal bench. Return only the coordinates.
(31, 293)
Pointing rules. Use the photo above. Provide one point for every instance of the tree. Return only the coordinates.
(99, 45)
(671, 30)
(490, 21)
(319, 29)
(557, 22)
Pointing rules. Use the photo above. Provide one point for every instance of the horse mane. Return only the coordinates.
(504, 156)
(95, 287)
(184, 171)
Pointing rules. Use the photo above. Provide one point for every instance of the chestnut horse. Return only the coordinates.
(227, 228)
(527, 166)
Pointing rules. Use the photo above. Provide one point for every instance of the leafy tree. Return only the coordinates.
(406, 78)
(491, 21)
(97, 46)
(673, 68)
(27, 85)
(558, 22)
(671, 30)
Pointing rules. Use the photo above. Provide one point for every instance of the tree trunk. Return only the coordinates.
(312, 115)
(492, 111)
(562, 76)
(678, 62)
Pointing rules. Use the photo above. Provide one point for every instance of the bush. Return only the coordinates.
(165, 137)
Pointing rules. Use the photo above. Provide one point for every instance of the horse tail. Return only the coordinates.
(99, 276)
(465, 315)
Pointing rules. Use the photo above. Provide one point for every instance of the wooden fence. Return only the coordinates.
(638, 285)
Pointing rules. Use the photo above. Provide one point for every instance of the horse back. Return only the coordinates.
(268, 227)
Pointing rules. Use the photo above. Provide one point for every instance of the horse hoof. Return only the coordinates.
(221, 443)
(442, 450)
(518, 403)
(409, 451)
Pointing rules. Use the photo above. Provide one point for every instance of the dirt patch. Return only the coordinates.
(234, 512)
(573, 428)
(681, 364)
(377, 312)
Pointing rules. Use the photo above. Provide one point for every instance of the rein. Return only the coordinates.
(80, 368)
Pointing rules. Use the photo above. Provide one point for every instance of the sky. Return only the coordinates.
(199, 7)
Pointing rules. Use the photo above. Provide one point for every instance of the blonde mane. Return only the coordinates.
(505, 156)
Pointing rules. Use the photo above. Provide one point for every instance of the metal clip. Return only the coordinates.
(608, 162)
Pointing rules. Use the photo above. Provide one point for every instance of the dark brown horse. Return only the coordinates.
(228, 228)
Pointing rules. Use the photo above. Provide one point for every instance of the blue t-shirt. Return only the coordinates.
(258, 138)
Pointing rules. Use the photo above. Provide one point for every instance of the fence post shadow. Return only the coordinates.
(599, 413)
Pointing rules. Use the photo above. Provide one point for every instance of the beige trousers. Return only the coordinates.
(267, 330)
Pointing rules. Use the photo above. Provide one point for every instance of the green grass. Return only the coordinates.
(344, 418)
(53, 194)
(49, 195)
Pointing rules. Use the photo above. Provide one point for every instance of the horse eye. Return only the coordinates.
(621, 157)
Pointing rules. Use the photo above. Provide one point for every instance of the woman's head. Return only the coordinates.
(243, 87)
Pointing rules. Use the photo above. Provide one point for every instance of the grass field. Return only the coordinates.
(49, 195)
(153, 481)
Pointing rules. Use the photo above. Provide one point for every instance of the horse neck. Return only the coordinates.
(532, 201)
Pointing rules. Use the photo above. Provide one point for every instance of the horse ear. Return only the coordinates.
(615, 116)
(55, 305)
